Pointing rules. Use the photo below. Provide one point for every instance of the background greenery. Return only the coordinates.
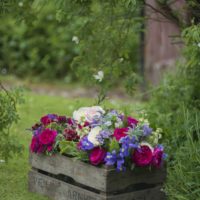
(40, 45)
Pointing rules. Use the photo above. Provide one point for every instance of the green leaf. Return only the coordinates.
(114, 145)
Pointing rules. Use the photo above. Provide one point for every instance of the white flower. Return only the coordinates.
(2, 161)
(198, 44)
(92, 136)
(121, 59)
(99, 76)
(88, 113)
(20, 4)
(75, 39)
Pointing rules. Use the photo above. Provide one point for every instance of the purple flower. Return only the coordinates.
(127, 144)
(85, 144)
(104, 134)
(146, 130)
(52, 116)
(115, 158)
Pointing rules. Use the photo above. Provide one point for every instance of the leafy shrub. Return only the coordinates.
(8, 116)
(105, 34)
(42, 49)
(175, 107)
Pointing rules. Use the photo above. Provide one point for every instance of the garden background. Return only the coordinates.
(148, 52)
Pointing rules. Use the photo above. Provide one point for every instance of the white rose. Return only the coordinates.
(92, 136)
(88, 113)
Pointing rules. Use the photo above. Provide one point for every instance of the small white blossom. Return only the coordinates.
(121, 59)
(75, 39)
(20, 4)
(99, 76)
(2, 161)
(198, 44)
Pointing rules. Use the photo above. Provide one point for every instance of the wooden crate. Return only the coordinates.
(64, 178)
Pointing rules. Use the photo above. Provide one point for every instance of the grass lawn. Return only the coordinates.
(13, 176)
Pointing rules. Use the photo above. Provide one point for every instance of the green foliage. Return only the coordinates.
(106, 37)
(114, 145)
(42, 49)
(8, 116)
(70, 148)
(183, 182)
(175, 107)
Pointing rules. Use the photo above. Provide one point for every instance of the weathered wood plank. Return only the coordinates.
(103, 179)
(59, 190)
(79, 171)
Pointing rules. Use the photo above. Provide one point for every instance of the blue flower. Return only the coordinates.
(127, 144)
(146, 130)
(115, 158)
(86, 144)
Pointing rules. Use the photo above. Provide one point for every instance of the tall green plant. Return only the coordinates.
(8, 115)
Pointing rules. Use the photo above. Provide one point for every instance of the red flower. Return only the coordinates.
(45, 120)
(97, 156)
(70, 134)
(142, 156)
(50, 148)
(120, 133)
(157, 157)
(131, 121)
(47, 137)
(34, 144)
(70, 121)
(62, 119)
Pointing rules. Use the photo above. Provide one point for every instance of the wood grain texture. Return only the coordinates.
(103, 179)
(59, 190)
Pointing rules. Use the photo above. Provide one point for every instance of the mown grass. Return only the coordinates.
(13, 175)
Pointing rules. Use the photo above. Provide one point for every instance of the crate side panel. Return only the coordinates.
(148, 194)
(119, 181)
(58, 190)
(79, 171)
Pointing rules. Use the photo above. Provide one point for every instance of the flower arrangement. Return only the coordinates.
(99, 137)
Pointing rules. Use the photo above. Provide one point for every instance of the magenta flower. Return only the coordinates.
(97, 156)
(142, 156)
(120, 133)
(50, 148)
(157, 157)
(45, 120)
(132, 121)
(34, 144)
(62, 119)
(47, 137)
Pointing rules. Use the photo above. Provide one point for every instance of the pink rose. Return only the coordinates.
(34, 144)
(97, 156)
(120, 133)
(157, 157)
(47, 137)
(142, 156)
(131, 121)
